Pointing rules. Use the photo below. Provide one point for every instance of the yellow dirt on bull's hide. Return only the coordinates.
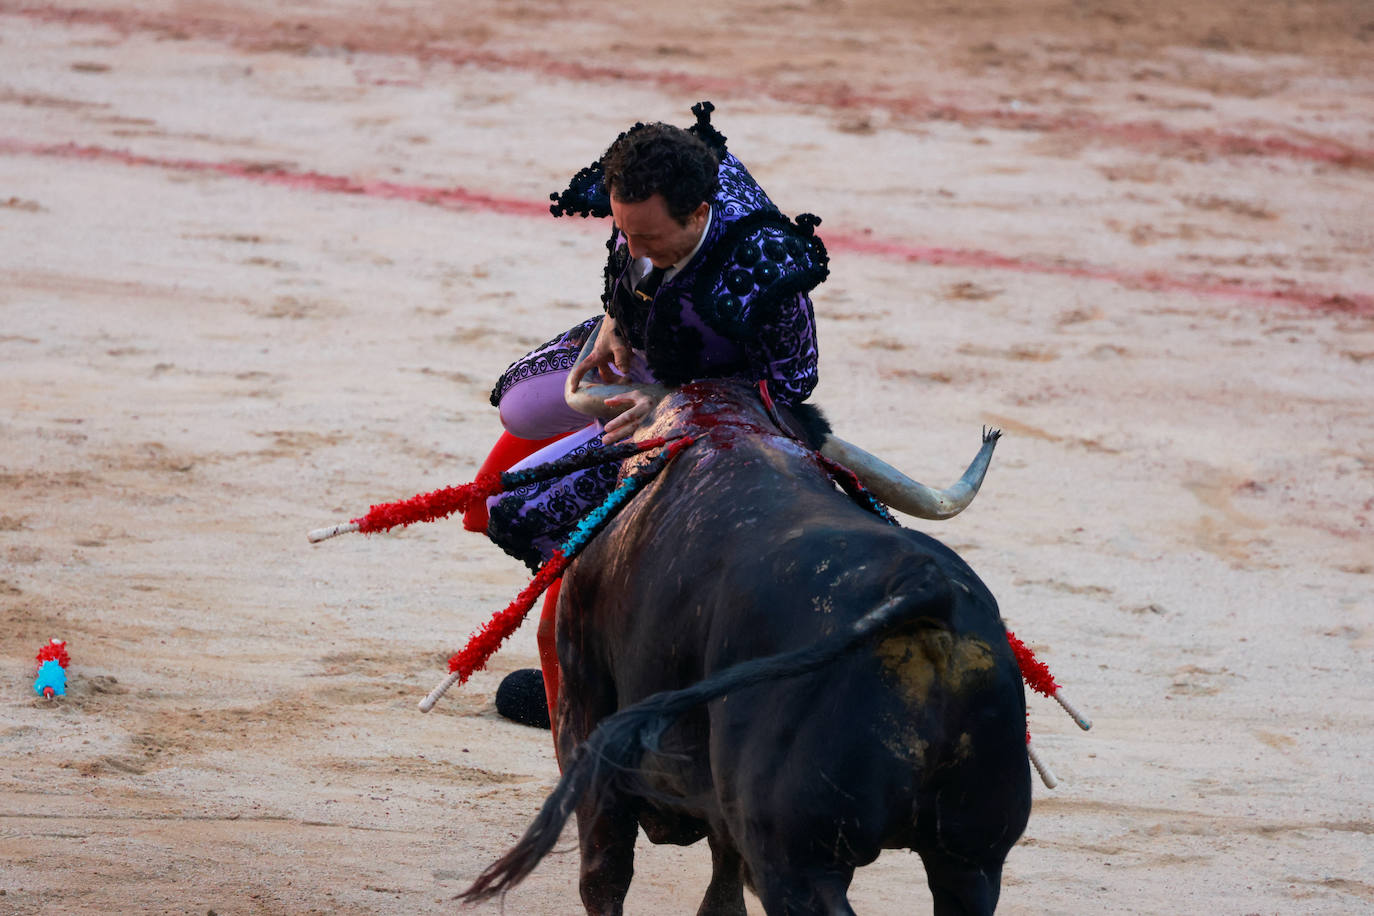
(914, 662)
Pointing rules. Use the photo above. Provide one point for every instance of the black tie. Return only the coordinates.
(648, 286)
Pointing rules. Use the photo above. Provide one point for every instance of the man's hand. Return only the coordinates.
(609, 355)
(638, 405)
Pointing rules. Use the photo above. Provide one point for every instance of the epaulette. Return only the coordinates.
(705, 130)
(585, 195)
(762, 260)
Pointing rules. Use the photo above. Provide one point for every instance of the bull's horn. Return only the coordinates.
(591, 399)
(902, 493)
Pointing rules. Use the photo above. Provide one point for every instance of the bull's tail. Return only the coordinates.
(618, 743)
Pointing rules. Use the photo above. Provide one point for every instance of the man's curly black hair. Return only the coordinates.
(662, 159)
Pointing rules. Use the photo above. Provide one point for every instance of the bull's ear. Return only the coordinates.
(899, 491)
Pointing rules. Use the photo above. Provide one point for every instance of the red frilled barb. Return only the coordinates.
(429, 507)
(484, 643)
(1035, 672)
(54, 651)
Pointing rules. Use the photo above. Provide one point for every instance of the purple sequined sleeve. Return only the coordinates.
(784, 350)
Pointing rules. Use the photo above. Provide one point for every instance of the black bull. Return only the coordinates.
(779, 670)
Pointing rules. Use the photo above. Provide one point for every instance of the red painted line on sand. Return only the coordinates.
(464, 199)
(1335, 303)
(1144, 134)
(267, 173)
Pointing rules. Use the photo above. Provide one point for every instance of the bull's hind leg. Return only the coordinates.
(966, 830)
(725, 894)
(607, 829)
(961, 889)
(805, 893)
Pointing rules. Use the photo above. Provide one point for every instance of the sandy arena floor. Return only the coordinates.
(260, 264)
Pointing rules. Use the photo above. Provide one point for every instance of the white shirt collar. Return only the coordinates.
(710, 213)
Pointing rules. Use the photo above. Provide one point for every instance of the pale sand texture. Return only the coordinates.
(1141, 243)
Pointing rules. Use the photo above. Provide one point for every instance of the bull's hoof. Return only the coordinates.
(520, 698)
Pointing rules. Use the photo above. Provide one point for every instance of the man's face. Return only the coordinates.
(652, 233)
